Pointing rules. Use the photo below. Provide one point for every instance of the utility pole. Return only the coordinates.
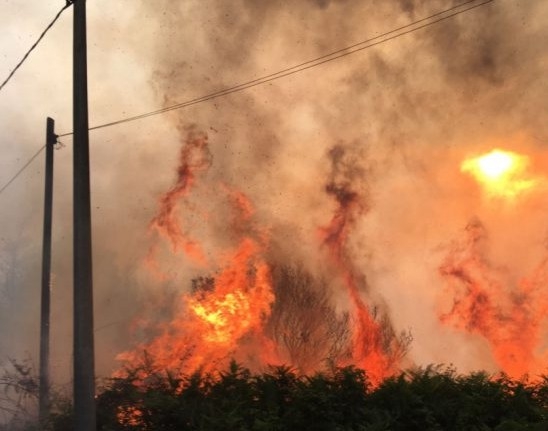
(84, 369)
(44, 398)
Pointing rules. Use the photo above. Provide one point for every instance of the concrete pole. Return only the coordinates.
(44, 396)
(84, 368)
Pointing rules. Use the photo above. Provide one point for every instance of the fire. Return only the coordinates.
(502, 174)
(375, 346)
(212, 321)
(129, 416)
(508, 314)
(217, 313)
(250, 308)
(507, 310)
(195, 158)
(229, 313)
(239, 301)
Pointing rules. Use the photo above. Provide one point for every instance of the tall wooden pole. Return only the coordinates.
(44, 398)
(84, 373)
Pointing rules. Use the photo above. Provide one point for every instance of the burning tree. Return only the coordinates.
(375, 345)
(304, 324)
(250, 307)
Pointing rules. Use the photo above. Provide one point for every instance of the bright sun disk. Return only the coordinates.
(496, 163)
(501, 174)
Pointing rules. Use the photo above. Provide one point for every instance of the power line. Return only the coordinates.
(27, 164)
(20, 171)
(343, 52)
(50, 25)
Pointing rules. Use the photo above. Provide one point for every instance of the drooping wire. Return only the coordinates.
(20, 171)
(343, 52)
(50, 25)
(289, 71)
(59, 145)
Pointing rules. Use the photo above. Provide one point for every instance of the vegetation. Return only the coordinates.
(18, 393)
(432, 398)
(304, 323)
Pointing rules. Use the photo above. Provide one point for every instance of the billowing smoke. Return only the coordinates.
(396, 120)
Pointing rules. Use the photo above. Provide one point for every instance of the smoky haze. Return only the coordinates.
(411, 109)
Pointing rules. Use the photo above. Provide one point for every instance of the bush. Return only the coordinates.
(432, 398)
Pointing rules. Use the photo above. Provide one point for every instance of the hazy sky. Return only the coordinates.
(414, 107)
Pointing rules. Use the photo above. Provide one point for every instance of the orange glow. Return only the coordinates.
(130, 416)
(374, 348)
(502, 174)
(225, 315)
(507, 314)
(211, 323)
(194, 159)
(239, 302)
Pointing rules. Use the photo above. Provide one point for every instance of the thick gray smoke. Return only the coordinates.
(417, 106)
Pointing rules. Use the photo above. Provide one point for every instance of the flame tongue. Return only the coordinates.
(228, 315)
(210, 322)
(239, 301)
(195, 158)
(374, 345)
(508, 315)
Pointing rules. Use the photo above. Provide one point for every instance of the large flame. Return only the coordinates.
(228, 313)
(211, 322)
(509, 314)
(502, 174)
(375, 346)
(194, 159)
(239, 300)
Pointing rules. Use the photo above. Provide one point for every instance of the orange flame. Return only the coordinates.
(225, 316)
(502, 174)
(509, 316)
(211, 323)
(239, 302)
(130, 416)
(370, 350)
(194, 158)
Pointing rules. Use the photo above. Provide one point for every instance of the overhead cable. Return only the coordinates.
(50, 25)
(343, 52)
(20, 171)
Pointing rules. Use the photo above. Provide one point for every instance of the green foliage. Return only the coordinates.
(432, 398)
(438, 399)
